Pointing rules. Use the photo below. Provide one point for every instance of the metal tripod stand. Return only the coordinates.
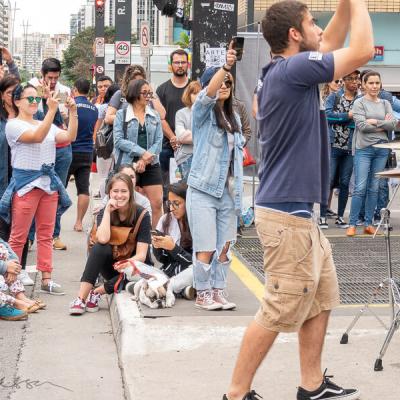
(389, 283)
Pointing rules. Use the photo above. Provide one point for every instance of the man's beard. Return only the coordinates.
(180, 72)
(306, 46)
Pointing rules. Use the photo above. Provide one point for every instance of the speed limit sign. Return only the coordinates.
(122, 52)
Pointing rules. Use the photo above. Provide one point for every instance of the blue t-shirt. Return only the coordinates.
(87, 117)
(293, 130)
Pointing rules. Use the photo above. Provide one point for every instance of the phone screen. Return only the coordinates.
(1, 56)
(156, 232)
(238, 44)
(63, 97)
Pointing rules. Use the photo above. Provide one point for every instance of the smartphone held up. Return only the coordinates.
(238, 45)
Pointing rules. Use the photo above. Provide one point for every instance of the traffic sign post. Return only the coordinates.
(145, 46)
(122, 52)
(99, 43)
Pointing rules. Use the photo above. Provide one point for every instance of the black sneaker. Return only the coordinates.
(249, 396)
(323, 223)
(340, 223)
(330, 213)
(328, 390)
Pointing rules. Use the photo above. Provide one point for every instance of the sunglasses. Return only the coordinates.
(147, 94)
(32, 99)
(174, 204)
(338, 82)
(227, 83)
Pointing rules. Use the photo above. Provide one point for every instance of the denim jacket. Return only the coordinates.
(211, 156)
(21, 177)
(11, 256)
(338, 118)
(3, 157)
(129, 146)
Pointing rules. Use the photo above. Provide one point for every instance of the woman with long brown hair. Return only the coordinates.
(120, 211)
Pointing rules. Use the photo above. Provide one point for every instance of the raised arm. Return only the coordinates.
(337, 29)
(361, 46)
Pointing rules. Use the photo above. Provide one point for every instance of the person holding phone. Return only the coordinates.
(215, 184)
(172, 242)
(35, 188)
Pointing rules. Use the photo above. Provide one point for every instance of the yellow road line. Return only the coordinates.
(257, 288)
(247, 277)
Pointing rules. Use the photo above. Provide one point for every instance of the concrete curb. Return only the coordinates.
(129, 334)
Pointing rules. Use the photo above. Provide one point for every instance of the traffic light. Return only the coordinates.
(167, 7)
(99, 7)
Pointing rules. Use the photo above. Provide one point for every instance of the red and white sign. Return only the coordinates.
(122, 52)
(100, 69)
(145, 44)
(379, 53)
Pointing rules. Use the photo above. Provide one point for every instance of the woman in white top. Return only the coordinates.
(34, 185)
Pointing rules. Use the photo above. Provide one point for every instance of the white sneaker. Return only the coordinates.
(25, 278)
(219, 296)
(205, 301)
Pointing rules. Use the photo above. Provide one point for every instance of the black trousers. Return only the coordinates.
(100, 261)
(5, 230)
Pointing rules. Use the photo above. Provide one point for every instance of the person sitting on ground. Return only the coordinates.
(121, 211)
(140, 200)
(172, 242)
(16, 306)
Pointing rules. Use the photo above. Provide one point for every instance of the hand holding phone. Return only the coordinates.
(238, 45)
(156, 232)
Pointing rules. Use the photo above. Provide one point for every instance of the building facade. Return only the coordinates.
(385, 15)
(5, 9)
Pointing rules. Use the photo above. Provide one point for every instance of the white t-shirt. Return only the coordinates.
(31, 155)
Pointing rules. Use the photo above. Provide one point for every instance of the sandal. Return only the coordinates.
(32, 309)
(42, 305)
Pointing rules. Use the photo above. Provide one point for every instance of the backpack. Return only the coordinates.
(104, 143)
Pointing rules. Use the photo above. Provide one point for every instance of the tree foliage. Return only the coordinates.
(79, 56)
(184, 40)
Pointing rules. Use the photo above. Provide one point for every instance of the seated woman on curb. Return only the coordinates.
(120, 211)
(174, 249)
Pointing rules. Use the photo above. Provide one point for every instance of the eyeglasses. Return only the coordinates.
(174, 204)
(338, 82)
(227, 83)
(179, 62)
(32, 99)
(147, 94)
(352, 79)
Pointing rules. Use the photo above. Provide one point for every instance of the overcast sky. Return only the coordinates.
(45, 16)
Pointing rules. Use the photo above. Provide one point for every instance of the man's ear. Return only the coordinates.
(294, 35)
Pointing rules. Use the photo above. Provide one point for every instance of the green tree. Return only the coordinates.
(79, 56)
(184, 40)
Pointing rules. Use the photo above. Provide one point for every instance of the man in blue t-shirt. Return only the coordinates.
(82, 148)
(301, 282)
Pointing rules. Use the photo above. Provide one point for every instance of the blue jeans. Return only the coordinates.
(184, 168)
(367, 162)
(212, 224)
(341, 160)
(61, 167)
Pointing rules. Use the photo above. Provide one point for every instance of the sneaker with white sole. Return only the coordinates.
(92, 303)
(189, 293)
(328, 391)
(25, 278)
(204, 300)
(340, 223)
(52, 288)
(77, 307)
(323, 223)
(220, 296)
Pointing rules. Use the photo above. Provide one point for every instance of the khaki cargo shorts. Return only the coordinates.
(300, 275)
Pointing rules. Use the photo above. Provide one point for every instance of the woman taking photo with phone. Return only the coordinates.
(373, 118)
(215, 184)
(34, 188)
(142, 142)
(121, 212)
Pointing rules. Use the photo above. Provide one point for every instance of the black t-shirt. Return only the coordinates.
(143, 234)
(171, 98)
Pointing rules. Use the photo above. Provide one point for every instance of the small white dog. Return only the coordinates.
(154, 289)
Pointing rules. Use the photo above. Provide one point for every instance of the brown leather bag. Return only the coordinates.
(122, 240)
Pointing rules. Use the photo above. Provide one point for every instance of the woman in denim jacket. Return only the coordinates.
(215, 185)
(142, 144)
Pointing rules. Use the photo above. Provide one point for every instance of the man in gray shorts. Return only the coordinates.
(301, 283)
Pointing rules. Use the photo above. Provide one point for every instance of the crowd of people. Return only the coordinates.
(48, 139)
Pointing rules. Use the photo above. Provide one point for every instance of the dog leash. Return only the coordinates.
(120, 281)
